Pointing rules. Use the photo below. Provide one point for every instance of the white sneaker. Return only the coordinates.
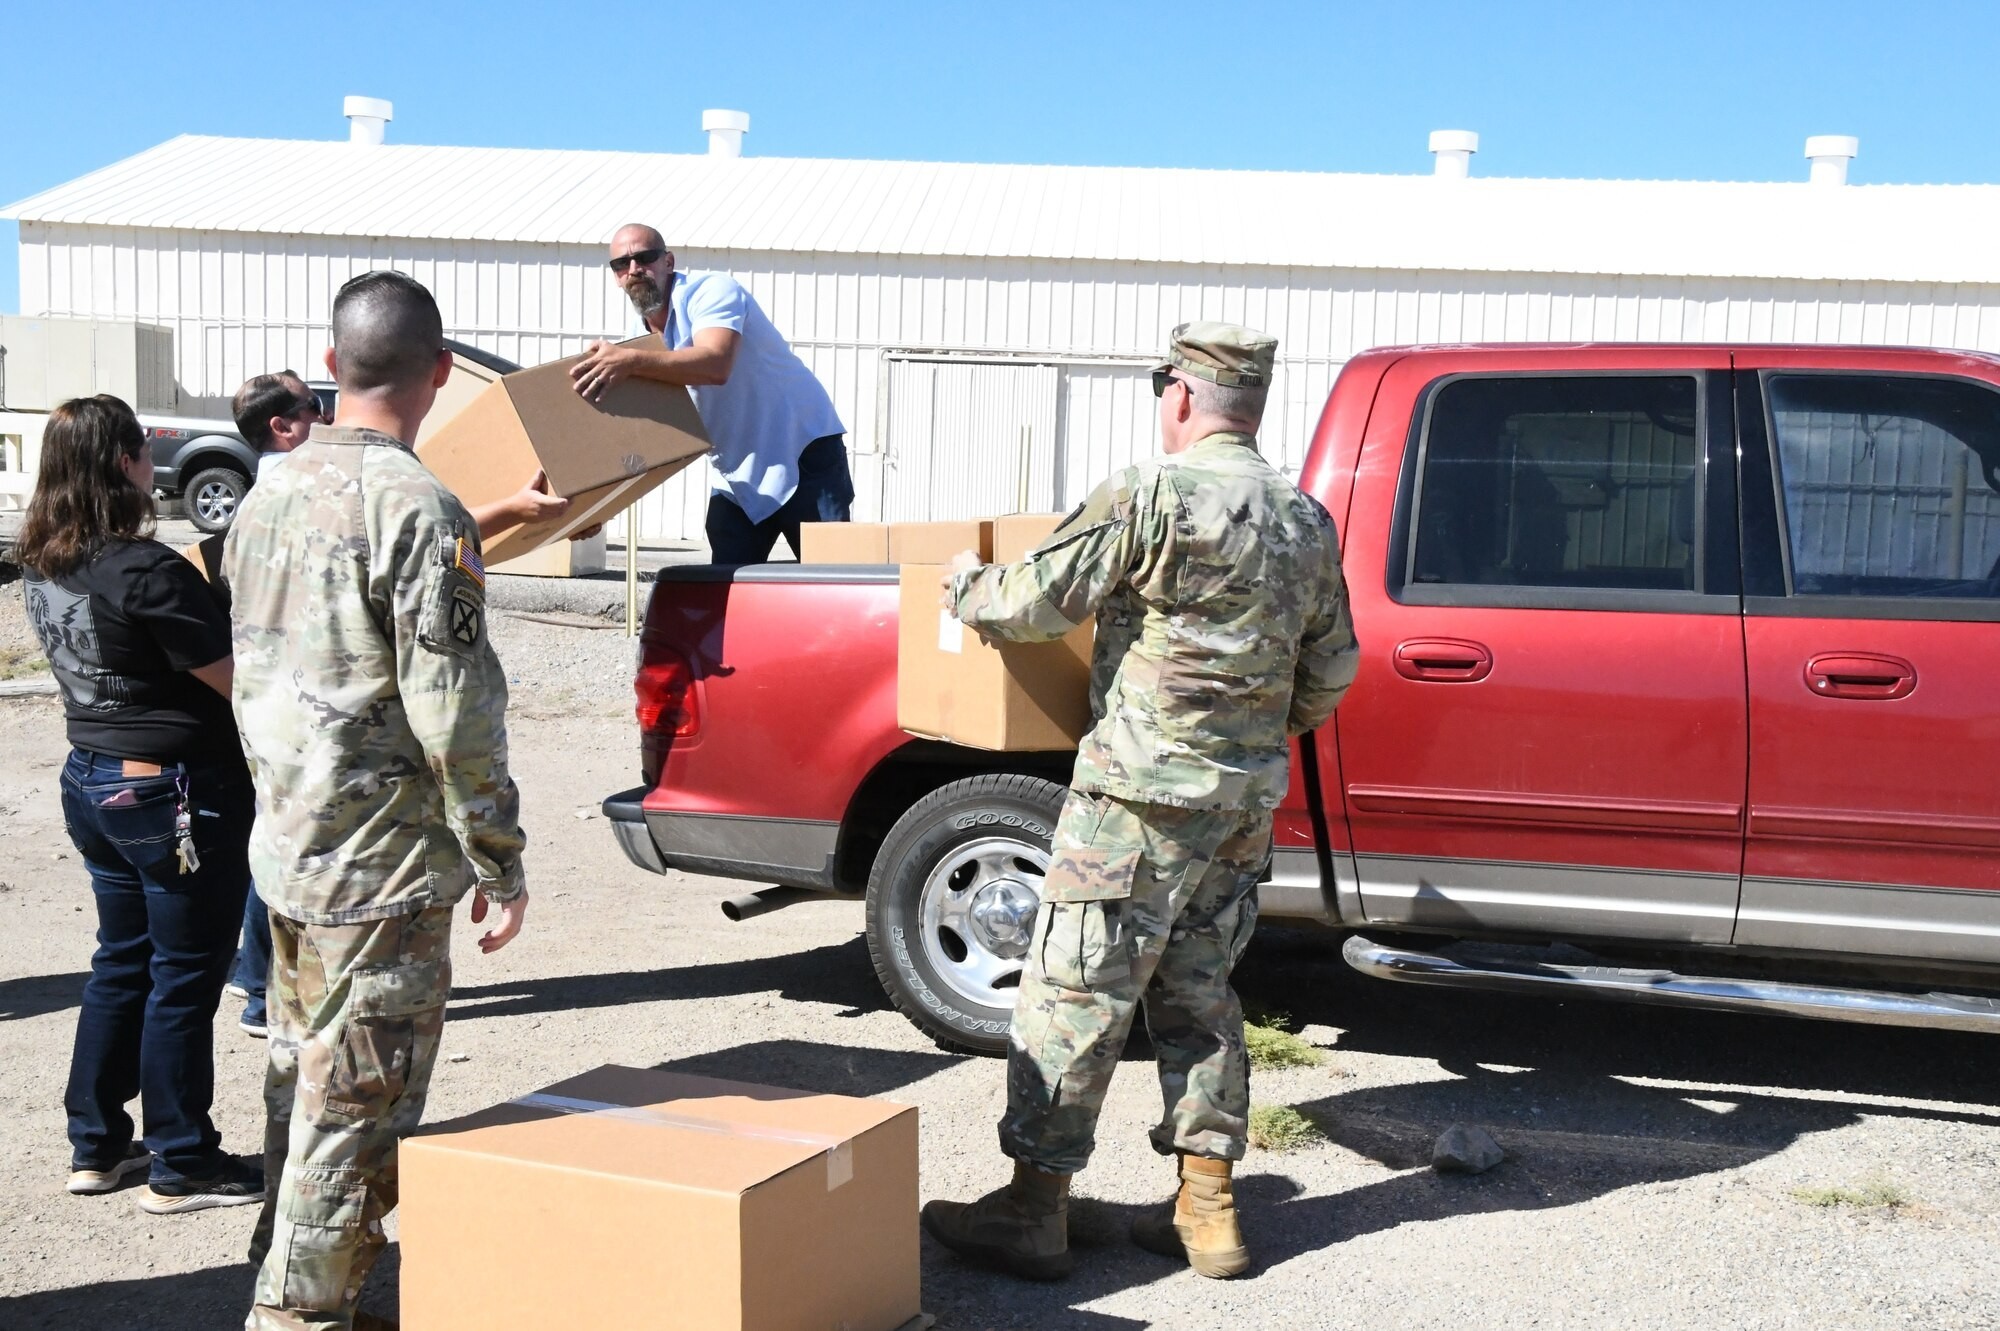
(234, 1184)
(235, 990)
(89, 1181)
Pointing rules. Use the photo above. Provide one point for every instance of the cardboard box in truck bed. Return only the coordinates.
(893, 542)
(603, 457)
(952, 684)
(645, 1198)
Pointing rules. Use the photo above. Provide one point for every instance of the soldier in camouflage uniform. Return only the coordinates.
(1222, 629)
(373, 710)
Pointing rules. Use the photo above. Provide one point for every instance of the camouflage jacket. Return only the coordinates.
(372, 707)
(1222, 623)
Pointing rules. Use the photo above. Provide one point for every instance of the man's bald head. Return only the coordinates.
(387, 333)
(638, 231)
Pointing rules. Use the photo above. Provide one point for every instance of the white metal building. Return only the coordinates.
(963, 313)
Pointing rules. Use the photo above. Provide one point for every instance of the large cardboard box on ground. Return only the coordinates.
(643, 1198)
(952, 684)
(602, 456)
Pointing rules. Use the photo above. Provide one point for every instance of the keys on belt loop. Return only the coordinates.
(184, 828)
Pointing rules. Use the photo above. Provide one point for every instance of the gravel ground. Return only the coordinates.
(1657, 1159)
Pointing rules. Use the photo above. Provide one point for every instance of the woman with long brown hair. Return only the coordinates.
(157, 801)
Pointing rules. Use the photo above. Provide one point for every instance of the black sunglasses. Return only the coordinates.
(644, 258)
(1161, 378)
(311, 402)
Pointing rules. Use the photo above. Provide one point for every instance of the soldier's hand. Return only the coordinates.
(512, 913)
(962, 562)
(603, 366)
(533, 502)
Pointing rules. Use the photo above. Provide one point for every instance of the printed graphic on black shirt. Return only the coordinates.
(68, 632)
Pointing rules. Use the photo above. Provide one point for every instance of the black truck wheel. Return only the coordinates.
(212, 496)
(952, 901)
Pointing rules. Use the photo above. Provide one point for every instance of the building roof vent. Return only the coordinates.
(1829, 155)
(1452, 150)
(725, 130)
(367, 118)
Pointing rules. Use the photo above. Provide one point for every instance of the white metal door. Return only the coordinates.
(1109, 420)
(965, 439)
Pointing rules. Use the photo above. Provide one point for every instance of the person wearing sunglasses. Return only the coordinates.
(778, 447)
(1222, 631)
(274, 413)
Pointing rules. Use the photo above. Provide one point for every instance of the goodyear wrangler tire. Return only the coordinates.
(952, 900)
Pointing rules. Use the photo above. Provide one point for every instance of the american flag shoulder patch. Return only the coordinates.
(468, 562)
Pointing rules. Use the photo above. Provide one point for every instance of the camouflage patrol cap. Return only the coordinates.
(1226, 354)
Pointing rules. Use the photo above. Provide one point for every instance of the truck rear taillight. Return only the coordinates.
(665, 687)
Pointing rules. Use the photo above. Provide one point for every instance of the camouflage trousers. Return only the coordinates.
(1144, 905)
(356, 1011)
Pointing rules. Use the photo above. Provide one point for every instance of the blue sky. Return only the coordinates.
(1554, 87)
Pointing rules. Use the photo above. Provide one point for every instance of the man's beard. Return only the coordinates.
(647, 298)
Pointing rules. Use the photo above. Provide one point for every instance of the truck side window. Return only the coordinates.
(1590, 481)
(1891, 484)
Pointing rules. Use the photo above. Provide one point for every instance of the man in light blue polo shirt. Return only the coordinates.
(779, 449)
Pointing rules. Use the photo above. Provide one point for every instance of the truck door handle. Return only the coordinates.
(1863, 676)
(1443, 661)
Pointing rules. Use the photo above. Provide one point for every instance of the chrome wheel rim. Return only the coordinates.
(215, 502)
(978, 914)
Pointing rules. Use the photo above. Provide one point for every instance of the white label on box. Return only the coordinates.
(951, 633)
(839, 1165)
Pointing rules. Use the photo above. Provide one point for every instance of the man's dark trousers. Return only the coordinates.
(825, 494)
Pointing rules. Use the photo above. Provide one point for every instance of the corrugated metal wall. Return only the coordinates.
(241, 304)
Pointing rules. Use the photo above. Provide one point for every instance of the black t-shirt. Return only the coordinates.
(121, 633)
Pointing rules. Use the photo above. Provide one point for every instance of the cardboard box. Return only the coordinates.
(1015, 535)
(637, 1198)
(206, 555)
(952, 684)
(558, 559)
(602, 456)
(937, 542)
(893, 543)
(844, 543)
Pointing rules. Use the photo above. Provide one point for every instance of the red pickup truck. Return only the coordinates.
(1683, 656)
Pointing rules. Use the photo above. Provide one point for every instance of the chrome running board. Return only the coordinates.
(1950, 1012)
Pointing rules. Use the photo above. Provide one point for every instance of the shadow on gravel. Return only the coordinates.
(1567, 1143)
(190, 1301)
(838, 974)
(801, 1065)
(39, 995)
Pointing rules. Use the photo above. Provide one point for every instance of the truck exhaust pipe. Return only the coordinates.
(750, 904)
(1934, 1011)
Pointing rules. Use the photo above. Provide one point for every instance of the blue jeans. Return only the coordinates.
(164, 944)
(253, 957)
(825, 494)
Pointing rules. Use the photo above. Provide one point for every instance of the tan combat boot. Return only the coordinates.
(1199, 1224)
(1022, 1228)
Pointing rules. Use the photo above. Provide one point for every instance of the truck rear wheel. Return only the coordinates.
(952, 901)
